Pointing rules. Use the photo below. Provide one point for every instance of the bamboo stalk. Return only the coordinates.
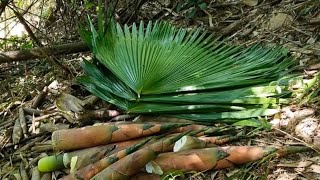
(104, 134)
(219, 140)
(191, 127)
(239, 155)
(51, 163)
(208, 158)
(23, 172)
(216, 131)
(188, 160)
(188, 142)
(91, 170)
(287, 150)
(74, 159)
(39, 98)
(17, 132)
(23, 122)
(131, 164)
(32, 111)
(35, 174)
(83, 157)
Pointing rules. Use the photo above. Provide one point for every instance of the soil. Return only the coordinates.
(294, 25)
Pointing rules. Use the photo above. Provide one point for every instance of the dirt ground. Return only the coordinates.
(292, 24)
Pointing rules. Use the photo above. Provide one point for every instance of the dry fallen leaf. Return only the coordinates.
(250, 2)
(315, 168)
(307, 128)
(286, 176)
(279, 20)
(298, 116)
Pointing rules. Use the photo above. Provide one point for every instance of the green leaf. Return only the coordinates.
(158, 68)
(248, 95)
(191, 13)
(179, 7)
(203, 5)
(229, 115)
(171, 108)
(88, 5)
(250, 122)
(109, 82)
(95, 89)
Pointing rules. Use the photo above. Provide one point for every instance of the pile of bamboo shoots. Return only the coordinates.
(148, 150)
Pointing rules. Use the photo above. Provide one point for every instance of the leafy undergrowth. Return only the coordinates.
(287, 23)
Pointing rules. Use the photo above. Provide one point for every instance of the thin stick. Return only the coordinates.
(45, 116)
(297, 139)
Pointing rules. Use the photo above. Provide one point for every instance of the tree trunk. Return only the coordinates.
(43, 52)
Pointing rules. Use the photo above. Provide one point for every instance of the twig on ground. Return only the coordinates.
(45, 116)
(297, 139)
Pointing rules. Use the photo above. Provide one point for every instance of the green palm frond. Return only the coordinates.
(158, 68)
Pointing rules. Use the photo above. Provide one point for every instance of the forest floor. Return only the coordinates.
(294, 25)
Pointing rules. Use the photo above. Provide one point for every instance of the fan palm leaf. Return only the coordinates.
(158, 68)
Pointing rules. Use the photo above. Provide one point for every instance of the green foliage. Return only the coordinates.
(16, 42)
(310, 92)
(261, 123)
(88, 5)
(191, 7)
(158, 68)
(177, 174)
